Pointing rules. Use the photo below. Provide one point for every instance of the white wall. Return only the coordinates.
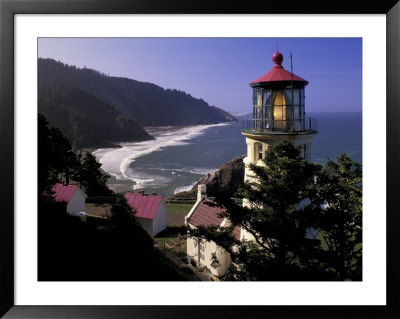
(210, 247)
(77, 203)
(160, 221)
(192, 249)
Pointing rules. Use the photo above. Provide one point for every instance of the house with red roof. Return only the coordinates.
(150, 211)
(72, 195)
(204, 253)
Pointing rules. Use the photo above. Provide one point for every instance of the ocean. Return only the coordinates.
(179, 156)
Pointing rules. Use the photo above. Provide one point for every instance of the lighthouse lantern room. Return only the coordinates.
(278, 114)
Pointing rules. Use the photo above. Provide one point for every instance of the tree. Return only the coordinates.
(122, 215)
(90, 176)
(56, 160)
(340, 223)
(305, 220)
(282, 200)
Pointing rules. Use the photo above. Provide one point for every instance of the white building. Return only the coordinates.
(73, 196)
(278, 115)
(150, 211)
(202, 251)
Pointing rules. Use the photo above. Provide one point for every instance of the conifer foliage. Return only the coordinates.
(115, 248)
(58, 162)
(340, 222)
(303, 220)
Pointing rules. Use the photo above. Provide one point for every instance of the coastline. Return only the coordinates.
(171, 170)
(180, 156)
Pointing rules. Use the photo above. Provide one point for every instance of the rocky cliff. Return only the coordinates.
(224, 180)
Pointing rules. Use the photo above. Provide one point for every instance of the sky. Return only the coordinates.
(219, 70)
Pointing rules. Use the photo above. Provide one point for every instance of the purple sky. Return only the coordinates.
(218, 70)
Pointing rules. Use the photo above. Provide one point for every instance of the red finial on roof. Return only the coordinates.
(277, 74)
(277, 58)
(142, 192)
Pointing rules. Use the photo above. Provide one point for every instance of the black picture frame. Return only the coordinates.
(8, 9)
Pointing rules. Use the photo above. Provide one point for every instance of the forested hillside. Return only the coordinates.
(146, 103)
(85, 120)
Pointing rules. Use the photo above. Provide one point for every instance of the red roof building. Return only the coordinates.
(63, 193)
(72, 195)
(207, 213)
(150, 211)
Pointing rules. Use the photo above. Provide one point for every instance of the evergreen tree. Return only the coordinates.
(305, 220)
(122, 216)
(56, 160)
(340, 223)
(91, 177)
(282, 200)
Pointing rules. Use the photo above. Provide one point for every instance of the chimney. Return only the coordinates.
(201, 192)
(142, 192)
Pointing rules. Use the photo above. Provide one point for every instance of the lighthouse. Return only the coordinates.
(278, 114)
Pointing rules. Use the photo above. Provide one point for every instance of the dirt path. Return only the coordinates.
(176, 219)
(101, 211)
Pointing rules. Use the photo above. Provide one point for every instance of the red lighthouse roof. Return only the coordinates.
(277, 73)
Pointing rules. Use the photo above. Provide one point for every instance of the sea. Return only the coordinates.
(179, 156)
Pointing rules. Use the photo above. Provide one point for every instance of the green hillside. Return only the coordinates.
(146, 103)
(85, 120)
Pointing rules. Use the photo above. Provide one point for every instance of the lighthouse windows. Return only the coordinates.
(257, 109)
(278, 109)
(257, 97)
(266, 100)
(267, 109)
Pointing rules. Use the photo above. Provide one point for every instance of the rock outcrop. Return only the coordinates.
(224, 180)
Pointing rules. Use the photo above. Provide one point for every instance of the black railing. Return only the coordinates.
(305, 126)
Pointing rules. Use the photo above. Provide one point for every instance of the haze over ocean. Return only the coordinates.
(178, 157)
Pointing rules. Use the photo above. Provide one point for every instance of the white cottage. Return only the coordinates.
(73, 196)
(150, 211)
(202, 251)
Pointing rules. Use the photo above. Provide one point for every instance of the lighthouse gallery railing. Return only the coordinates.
(304, 126)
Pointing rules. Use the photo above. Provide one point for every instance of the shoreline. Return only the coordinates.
(167, 174)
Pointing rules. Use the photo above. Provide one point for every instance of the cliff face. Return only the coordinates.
(225, 180)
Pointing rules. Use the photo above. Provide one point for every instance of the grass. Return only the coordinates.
(176, 214)
(179, 208)
(98, 204)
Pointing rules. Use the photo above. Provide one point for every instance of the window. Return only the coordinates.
(257, 97)
(266, 98)
(279, 110)
(258, 151)
(202, 247)
(304, 151)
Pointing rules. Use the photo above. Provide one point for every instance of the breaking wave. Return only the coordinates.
(117, 161)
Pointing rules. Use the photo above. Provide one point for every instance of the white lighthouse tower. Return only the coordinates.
(278, 114)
